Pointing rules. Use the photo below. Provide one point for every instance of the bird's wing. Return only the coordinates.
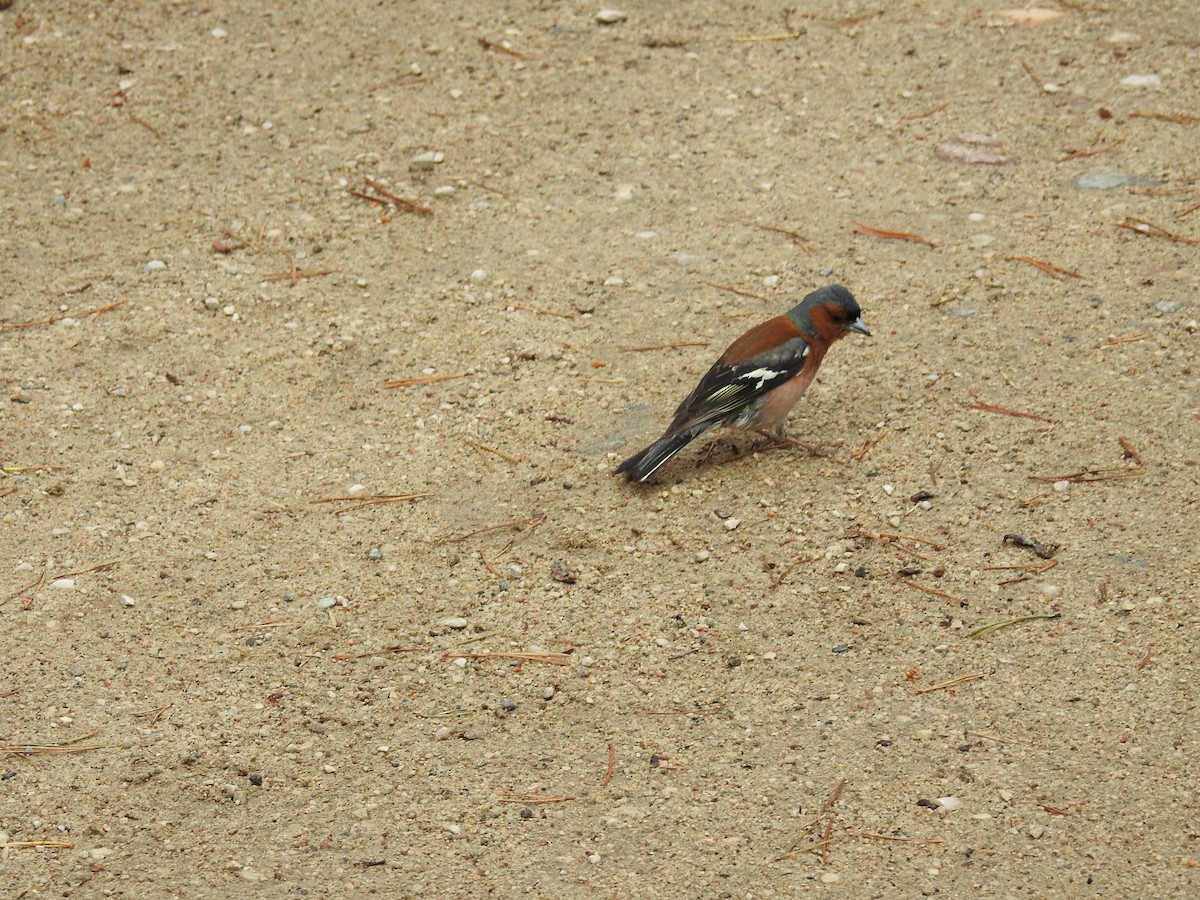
(727, 388)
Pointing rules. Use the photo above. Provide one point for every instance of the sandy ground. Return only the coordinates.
(732, 692)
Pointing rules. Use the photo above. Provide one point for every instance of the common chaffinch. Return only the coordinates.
(759, 378)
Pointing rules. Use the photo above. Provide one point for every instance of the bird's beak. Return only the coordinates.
(860, 326)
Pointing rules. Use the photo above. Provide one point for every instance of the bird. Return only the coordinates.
(759, 378)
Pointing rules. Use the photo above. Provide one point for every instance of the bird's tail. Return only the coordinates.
(642, 465)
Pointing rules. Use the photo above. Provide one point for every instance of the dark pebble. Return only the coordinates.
(527, 813)
(256, 780)
(862, 572)
(733, 662)
(842, 648)
(928, 804)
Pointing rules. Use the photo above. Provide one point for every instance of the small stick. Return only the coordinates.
(99, 567)
(1089, 476)
(929, 590)
(787, 570)
(857, 20)
(26, 845)
(1130, 453)
(540, 312)
(155, 713)
(980, 633)
(510, 797)
(612, 765)
(487, 565)
(860, 452)
(1033, 75)
(479, 446)
(1133, 338)
(988, 407)
(297, 274)
(827, 839)
(379, 201)
(1187, 212)
(797, 238)
(1056, 272)
(1039, 571)
(373, 500)
(409, 382)
(33, 586)
(872, 231)
(1141, 226)
(753, 38)
(552, 659)
(890, 837)
(738, 291)
(1053, 810)
(665, 346)
(1165, 117)
(396, 649)
(925, 115)
(953, 682)
(7, 491)
(138, 120)
(992, 737)
(87, 312)
(512, 523)
(400, 202)
(524, 531)
(892, 535)
(1145, 660)
(491, 45)
(26, 750)
(834, 796)
(13, 470)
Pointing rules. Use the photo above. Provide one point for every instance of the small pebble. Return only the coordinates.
(949, 804)
(507, 704)
(456, 622)
(155, 265)
(830, 878)
(610, 16)
(426, 160)
(77, 671)
(327, 603)
(64, 583)
(1036, 831)
(732, 523)
(256, 780)
(1166, 307)
(126, 600)
(1141, 81)
(1107, 181)
(702, 555)
(548, 692)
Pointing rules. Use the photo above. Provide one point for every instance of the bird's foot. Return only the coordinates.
(781, 441)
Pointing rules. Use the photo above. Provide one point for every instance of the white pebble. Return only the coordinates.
(1051, 590)
(1141, 81)
(327, 603)
(126, 600)
(772, 281)
(64, 583)
(426, 160)
(479, 275)
(219, 32)
(702, 555)
(949, 804)
(732, 523)
(830, 878)
(610, 16)
(456, 622)
(237, 604)
(155, 265)
(1062, 486)
(613, 281)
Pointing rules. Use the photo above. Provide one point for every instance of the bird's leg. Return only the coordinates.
(780, 440)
